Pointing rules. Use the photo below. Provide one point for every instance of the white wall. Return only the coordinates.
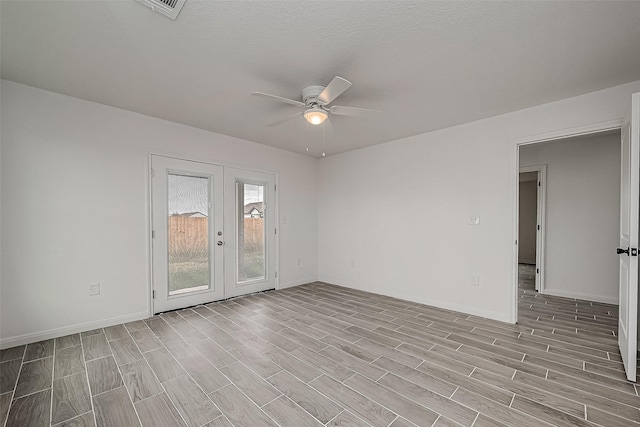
(583, 215)
(400, 210)
(527, 220)
(75, 209)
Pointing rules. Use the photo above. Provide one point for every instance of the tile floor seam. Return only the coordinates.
(53, 371)
(69, 419)
(32, 393)
(148, 397)
(336, 416)
(86, 373)
(475, 419)
(271, 401)
(471, 373)
(394, 420)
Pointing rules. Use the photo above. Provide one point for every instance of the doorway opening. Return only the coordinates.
(595, 307)
(568, 203)
(531, 226)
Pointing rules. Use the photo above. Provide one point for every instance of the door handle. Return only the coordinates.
(220, 243)
(621, 251)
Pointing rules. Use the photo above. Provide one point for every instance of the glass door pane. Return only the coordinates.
(251, 231)
(187, 209)
(188, 233)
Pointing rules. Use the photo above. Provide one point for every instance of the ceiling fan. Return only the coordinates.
(316, 100)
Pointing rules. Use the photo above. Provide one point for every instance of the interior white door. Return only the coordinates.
(628, 250)
(187, 222)
(250, 230)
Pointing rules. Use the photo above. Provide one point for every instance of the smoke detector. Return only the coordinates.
(168, 8)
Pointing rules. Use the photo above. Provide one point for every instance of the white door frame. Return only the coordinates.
(541, 215)
(211, 161)
(515, 156)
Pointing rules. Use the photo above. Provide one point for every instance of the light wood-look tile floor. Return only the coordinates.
(318, 355)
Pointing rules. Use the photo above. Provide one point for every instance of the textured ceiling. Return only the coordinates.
(427, 65)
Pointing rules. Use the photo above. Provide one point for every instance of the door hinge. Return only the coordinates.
(634, 251)
(538, 227)
(153, 294)
(539, 184)
(153, 173)
(276, 274)
(275, 187)
(153, 234)
(537, 271)
(275, 231)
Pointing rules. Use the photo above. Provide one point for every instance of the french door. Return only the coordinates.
(213, 232)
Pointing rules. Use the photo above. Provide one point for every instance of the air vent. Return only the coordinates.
(168, 8)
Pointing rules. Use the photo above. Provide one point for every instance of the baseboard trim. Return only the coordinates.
(580, 296)
(465, 309)
(68, 330)
(340, 282)
(297, 282)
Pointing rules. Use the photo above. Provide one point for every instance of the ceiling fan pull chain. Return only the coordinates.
(323, 125)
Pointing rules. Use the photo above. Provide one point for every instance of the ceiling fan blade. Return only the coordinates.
(286, 119)
(334, 90)
(354, 111)
(279, 98)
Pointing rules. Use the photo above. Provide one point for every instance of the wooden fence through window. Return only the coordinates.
(189, 234)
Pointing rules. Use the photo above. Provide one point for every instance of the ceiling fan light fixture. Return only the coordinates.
(315, 115)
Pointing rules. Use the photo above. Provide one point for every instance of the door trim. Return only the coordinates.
(214, 162)
(515, 175)
(541, 215)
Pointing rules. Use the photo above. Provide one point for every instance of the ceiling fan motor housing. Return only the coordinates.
(310, 95)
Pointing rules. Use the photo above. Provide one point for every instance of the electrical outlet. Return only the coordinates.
(475, 280)
(94, 289)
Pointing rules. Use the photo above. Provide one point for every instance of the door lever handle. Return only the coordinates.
(621, 251)
(220, 243)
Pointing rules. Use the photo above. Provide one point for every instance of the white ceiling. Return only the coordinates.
(427, 65)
